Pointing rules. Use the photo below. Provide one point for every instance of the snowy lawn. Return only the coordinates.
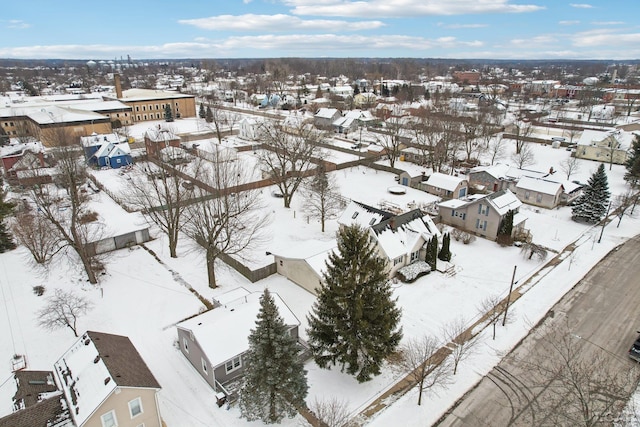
(142, 299)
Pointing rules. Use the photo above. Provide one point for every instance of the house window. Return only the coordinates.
(478, 223)
(138, 108)
(109, 419)
(464, 215)
(185, 345)
(397, 261)
(479, 208)
(145, 117)
(144, 108)
(484, 227)
(135, 407)
(204, 365)
(157, 107)
(233, 364)
(373, 220)
(539, 198)
(453, 213)
(354, 216)
(527, 194)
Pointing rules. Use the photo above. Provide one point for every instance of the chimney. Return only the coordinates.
(116, 77)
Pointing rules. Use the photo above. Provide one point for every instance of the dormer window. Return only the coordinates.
(355, 215)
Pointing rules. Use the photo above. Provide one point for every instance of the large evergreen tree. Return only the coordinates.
(632, 176)
(355, 321)
(202, 112)
(431, 256)
(275, 382)
(591, 206)
(168, 114)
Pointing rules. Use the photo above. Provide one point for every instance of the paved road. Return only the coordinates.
(603, 314)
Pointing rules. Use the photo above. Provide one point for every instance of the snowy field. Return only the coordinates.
(142, 299)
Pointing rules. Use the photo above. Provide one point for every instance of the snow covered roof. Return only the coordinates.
(223, 332)
(498, 171)
(363, 215)
(504, 201)
(50, 114)
(100, 139)
(150, 94)
(326, 113)
(540, 185)
(446, 182)
(399, 235)
(453, 203)
(94, 367)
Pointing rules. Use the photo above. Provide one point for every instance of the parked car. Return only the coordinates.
(634, 351)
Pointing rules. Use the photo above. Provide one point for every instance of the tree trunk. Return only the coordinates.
(211, 273)
(173, 243)
(420, 387)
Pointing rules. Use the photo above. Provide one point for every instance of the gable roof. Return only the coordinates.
(363, 215)
(32, 385)
(503, 201)
(540, 185)
(327, 113)
(46, 413)
(223, 333)
(94, 367)
(446, 182)
(400, 234)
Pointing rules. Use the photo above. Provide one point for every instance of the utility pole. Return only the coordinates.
(604, 222)
(506, 308)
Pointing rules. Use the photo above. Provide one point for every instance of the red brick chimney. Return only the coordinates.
(116, 77)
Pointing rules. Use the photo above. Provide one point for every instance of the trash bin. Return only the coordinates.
(220, 399)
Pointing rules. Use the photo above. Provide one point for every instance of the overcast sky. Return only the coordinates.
(494, 29)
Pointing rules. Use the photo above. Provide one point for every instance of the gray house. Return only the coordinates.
(482, 215)
(215, 341)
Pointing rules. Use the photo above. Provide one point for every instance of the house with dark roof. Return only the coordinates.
(37, 402)
(400, 239)
(100, 381)
(105, 382)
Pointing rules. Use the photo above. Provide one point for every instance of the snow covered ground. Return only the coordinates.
(142, 299)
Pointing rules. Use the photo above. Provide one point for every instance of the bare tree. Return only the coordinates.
(217, 118)
(624, 202)
(578, 386)
(229, 222)
(492, 309)
(461, 341)
(39, 237)
(426, 131)
(161, 194)
(522, 129)
(428, 368)
(322, 196)
(570, 166)
(331, 412)
(63, 310)
(288, 154)
(497, 148)
(390, 138)
(67, 210)
(525, 157)
(471, 130)
(529, 249)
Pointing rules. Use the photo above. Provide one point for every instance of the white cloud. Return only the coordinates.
(608, 38)
(256, 46)
(537, 41)
(246, 1)
(581, 5)
(568, 22)
(17, 24)
(608, 23)
(458, 26)
(404, 8)
(276, 23)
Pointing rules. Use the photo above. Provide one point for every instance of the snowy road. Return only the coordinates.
(602, 313)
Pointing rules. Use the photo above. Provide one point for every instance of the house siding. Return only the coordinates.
(299, 272)
(119, 400)
(195, 355)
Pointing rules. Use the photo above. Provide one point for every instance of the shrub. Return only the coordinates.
(467, 238)
(38, 290)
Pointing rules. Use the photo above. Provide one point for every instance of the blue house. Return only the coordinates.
(107, 150)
